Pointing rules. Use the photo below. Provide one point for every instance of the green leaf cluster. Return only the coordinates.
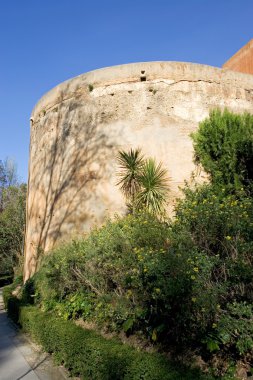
(12, 225)
(143, 182)
(88, 355)
(223, 146)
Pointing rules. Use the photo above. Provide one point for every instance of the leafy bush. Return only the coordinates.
(126, 276)
(11, 303)
(90, 356)
(114, 275)
(224, 146)
(173, 283)
(235, 328)
(28, 292)
(143, 182)
(218, 228)
(7, 293)
(218, 218)
(12, 221)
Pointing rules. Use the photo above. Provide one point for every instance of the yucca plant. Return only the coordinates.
(153, 187)
(142, 181)
(130, 164)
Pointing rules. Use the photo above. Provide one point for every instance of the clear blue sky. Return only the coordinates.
(44, 42)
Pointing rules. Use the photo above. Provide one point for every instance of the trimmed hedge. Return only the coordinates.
(87, 354)
(5, 280)
(12, 304)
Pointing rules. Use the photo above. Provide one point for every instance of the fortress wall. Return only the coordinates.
(79, 126)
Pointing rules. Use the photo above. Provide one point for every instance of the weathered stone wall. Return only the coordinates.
(242, 60)
(78, 127)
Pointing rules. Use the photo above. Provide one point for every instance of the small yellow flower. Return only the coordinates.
(196, 269)
(193, 277)
(158, 290)
(214, 325)
(228, 237)
(145, 270)
(194, 299)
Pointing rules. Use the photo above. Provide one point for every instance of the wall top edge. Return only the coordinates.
(133, 72)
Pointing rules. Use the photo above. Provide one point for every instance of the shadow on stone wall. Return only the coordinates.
(65, 143)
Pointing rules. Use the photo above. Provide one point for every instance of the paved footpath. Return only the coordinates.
(19, 358)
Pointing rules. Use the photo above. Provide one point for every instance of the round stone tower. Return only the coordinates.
(78, 127)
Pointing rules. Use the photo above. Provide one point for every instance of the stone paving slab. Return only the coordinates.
(20, 359)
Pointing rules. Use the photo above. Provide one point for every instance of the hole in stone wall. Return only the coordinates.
(143, 71)
(143, 79)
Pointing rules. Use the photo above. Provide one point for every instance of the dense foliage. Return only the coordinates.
(219, 228)
(224, 147)
(12, 219)
(182, 284)
(114, 277)
(143, 182)
(90, 356)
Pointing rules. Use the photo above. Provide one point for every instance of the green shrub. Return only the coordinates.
(216, 227)
(28, 292)
(12, 222)
(218, 220)
(224, 146)
(11, 303)
(5, 280)
(114, 276)
(171, 283)
(90, 356)
(7, 293)
(235, 328)
(143, 182)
